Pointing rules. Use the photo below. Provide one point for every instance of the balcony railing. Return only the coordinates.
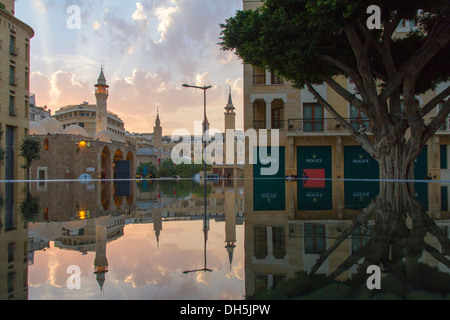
(326, 125)
(259, 124)
(13, 111)
(14, 51)
(445, 126)
(262, 124)
(14, 81)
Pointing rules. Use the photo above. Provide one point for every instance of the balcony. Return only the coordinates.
(13, 81)
(13, 111)
(262, 124)
(325, 125)
(14, 51)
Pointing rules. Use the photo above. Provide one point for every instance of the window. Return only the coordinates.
(358, 119)
(12, 104)
(46, 144)
(10, 252)
(259, 76)
(313, 117)
(277, 117)
(314, 238)
(275, 79)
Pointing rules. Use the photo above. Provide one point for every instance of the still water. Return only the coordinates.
(259, 239)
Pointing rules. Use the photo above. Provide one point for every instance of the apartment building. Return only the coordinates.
(15, 38)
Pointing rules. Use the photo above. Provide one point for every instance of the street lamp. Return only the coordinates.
(204, 88)
(205, 221)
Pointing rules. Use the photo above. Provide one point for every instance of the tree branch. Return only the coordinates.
(362, 139)
(435, 101)
(434, 43)
(351, 98)
(437, 122)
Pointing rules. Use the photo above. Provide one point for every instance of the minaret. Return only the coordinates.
(157, 133)
(101, 94)
(230, 124)
(230, 114)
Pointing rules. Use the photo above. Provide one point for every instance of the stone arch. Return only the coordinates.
(118, 156)
(130, 157)
(106, 169)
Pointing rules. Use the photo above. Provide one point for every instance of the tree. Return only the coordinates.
(312, 42)
(151, 169)
(30, 151)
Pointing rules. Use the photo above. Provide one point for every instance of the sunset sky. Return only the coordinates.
(148, 49)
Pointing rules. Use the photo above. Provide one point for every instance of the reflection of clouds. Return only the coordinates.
(138, 271)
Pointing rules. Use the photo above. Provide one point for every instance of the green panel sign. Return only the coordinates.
(269, 191)
(359, 164)
(314, 168)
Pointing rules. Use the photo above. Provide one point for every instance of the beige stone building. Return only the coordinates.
(84, 115)
(71, 152)
(15, 38)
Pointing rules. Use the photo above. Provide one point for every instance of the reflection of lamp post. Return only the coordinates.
(205, 233)
(205, 221)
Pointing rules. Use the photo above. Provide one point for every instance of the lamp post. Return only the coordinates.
(205, 221)
(204, 88)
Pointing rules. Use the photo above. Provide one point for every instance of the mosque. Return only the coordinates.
(70, 152)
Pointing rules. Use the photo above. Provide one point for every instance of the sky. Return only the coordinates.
(148, 49)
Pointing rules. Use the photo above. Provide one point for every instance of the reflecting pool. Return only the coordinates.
(259, 239)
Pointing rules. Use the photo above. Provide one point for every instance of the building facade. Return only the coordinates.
(15, 38)
(312, 141)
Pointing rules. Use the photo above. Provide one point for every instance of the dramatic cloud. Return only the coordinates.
(148, 49)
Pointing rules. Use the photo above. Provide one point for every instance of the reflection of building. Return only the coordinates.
(69, 153)
(13, 244)
(15, 38)
(283, 238)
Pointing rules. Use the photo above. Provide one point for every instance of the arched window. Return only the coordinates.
(46, 144)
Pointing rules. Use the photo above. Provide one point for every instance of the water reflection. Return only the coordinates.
(152, 239)
(322, 246)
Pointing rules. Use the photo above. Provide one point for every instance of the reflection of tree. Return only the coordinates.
(182, 188)
(394, 245)
(30, 208)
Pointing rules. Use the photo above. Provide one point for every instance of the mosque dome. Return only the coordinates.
(52, 126)
(145, 152)
(75, 130)
(36, 129)
(106, 136)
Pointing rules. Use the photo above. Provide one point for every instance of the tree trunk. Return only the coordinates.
(395, 161)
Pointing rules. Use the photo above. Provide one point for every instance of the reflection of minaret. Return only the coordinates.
(101, 93)
(157, 133)
(230, 223)
(157, 223)
(101, 262)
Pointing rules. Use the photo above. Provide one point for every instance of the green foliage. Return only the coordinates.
(291, 37)
(169, 169)
(152, 170)
(30, 208)
(30, 151)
